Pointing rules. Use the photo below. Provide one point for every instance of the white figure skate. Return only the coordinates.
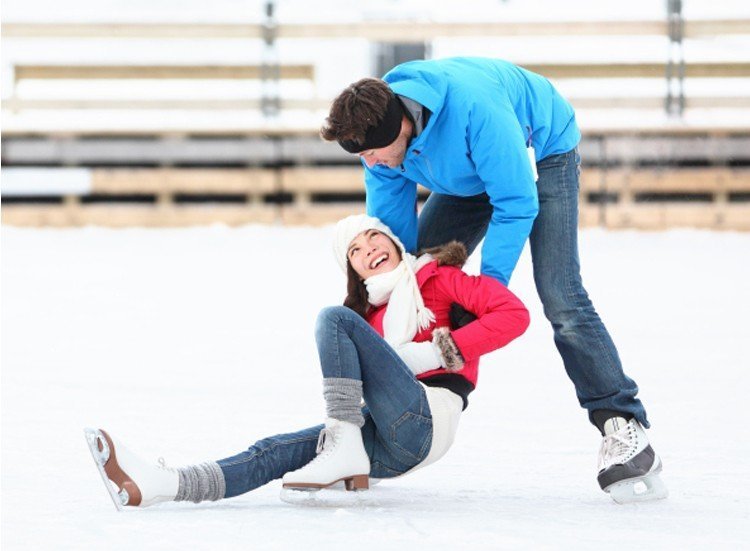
(129, 479)
(341, 457)
(628, 466)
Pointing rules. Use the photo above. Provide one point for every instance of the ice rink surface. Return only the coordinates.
(191, 344)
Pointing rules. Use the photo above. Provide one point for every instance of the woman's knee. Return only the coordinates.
(333, 316)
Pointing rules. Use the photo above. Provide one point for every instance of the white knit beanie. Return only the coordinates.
(406, 311)
(350, 227)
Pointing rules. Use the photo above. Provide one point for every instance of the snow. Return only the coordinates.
(191, 344)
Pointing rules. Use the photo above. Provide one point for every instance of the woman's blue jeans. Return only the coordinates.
(590, 357)
(398, 424)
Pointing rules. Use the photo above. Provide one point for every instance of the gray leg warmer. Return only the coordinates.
(204, 482)
(344, 399)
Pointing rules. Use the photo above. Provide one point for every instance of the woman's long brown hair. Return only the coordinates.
(356, 292)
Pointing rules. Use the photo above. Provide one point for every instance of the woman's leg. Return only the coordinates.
(142, 483)
(268, 459)
(351, 352)
(396, 425)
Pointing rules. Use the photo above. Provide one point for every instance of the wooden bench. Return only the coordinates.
(23, 72)
(18, 104)
(638, 70)
(625, 196)
(620, 188)
(381, 31)
(652, 198)
(192, 72)
(167, 192)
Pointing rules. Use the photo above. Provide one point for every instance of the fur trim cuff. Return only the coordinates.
(452, 357)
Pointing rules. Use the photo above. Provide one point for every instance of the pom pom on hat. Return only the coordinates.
(350, 227)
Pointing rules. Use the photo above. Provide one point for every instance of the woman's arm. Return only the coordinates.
(501, 316)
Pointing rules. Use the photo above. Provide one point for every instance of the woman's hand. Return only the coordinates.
(451, 355)
(420, 356)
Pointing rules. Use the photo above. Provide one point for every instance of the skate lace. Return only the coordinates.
(617, 447)
(163, 465)
(325, 441)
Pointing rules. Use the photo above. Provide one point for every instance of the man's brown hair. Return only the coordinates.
(360, 106)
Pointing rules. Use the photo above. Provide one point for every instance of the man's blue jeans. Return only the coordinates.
(398, 423)
(590, 357)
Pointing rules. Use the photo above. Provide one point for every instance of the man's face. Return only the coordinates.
(391, 155)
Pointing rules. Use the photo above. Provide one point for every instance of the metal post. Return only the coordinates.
(675, 102)
(270, 70)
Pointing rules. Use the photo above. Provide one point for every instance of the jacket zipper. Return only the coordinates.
(429, 168)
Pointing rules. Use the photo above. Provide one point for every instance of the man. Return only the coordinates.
(497, 146)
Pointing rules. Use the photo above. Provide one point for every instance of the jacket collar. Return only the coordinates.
(426, 273)
(420, 81)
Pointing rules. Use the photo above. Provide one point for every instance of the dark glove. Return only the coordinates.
(460, 316)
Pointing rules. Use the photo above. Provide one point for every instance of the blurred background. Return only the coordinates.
(194, 337)
(175, 113)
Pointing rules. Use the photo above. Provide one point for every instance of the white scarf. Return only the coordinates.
(406, 312)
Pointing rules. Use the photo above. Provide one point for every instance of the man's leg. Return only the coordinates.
(628, 466)
(446, 218)
(590, 357)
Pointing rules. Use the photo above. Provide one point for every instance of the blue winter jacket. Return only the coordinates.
(484, 111)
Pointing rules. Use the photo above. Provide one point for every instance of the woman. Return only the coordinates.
(390, 344)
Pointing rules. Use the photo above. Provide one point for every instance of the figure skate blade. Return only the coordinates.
(646, 488)
(332, 496)
(100, 453)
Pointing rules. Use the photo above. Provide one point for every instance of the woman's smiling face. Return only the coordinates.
(372, 253)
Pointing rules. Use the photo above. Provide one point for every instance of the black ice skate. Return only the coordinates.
(628, 466)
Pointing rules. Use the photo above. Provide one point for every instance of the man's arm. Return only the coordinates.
(498, 150)
(393, 198)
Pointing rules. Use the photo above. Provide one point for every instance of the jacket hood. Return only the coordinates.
(422, 82)
(450, 254)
